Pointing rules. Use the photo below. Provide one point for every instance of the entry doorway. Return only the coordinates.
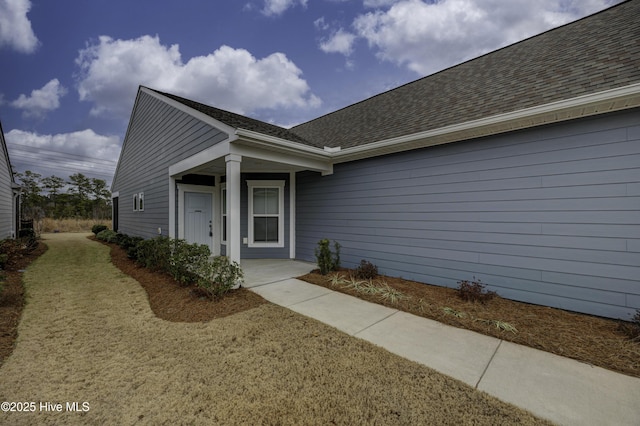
(195, 208)
(198, 218)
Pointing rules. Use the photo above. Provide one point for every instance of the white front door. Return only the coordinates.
(198, 218)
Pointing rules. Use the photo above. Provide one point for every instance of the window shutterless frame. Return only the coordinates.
(266, 213)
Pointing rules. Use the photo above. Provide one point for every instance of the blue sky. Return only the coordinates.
(71, 68)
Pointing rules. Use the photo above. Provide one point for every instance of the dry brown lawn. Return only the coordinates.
(49, 224)
(88, 334)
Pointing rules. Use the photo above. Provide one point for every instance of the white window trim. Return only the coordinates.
(135, 202)
(278, 184)
(223, 212)
(141, 201)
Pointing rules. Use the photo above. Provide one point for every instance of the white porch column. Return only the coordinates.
(292, 215)
(172, 207)
(233, 207)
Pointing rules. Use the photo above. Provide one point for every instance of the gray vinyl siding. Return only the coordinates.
(159, 136)
(6, 195)
(549, 215)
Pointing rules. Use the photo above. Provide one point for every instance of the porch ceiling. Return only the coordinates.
(249, 165)
(256, 156)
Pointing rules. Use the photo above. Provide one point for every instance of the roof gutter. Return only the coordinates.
(580, 106)
(283, 145)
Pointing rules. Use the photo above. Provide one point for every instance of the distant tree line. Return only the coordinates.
(79, 197)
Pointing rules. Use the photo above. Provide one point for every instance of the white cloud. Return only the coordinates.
(41, 100)
(339, 42)
(320, 24)
(378, 3)
(228, 78)
(427, 37)
(15, 27)
(83, 151)
(278, 7)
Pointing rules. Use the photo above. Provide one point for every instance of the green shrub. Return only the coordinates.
(4, 258)
(13, 249)
(129, 244)
(327, 260)
(473, 291)
(218, 276)
(10, 249)
(96, 229)
(155, 254)
(107, 235)
(183, 261)
(632, 328)
(122, 240)
(188, 261)
(28, 238)
(366, 270)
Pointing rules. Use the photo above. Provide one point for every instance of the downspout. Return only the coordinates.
(17, 192)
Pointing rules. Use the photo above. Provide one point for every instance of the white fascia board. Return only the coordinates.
(581, 106)
(282, 144)
(203, 157)
(289, 158)
(192, 112)
(271, 148)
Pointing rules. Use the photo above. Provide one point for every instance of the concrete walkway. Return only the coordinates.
(559, 389)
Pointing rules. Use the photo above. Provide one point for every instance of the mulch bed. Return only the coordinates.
(174, 302)
(12, 298)
(590, 339)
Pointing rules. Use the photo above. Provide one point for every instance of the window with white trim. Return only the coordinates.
(266, 213)
(223, 213)
(138, 202)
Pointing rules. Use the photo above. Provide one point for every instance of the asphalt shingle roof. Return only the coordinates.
(238, 121)
(590, 55)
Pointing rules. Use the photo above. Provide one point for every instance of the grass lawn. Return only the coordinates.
(88, 334)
